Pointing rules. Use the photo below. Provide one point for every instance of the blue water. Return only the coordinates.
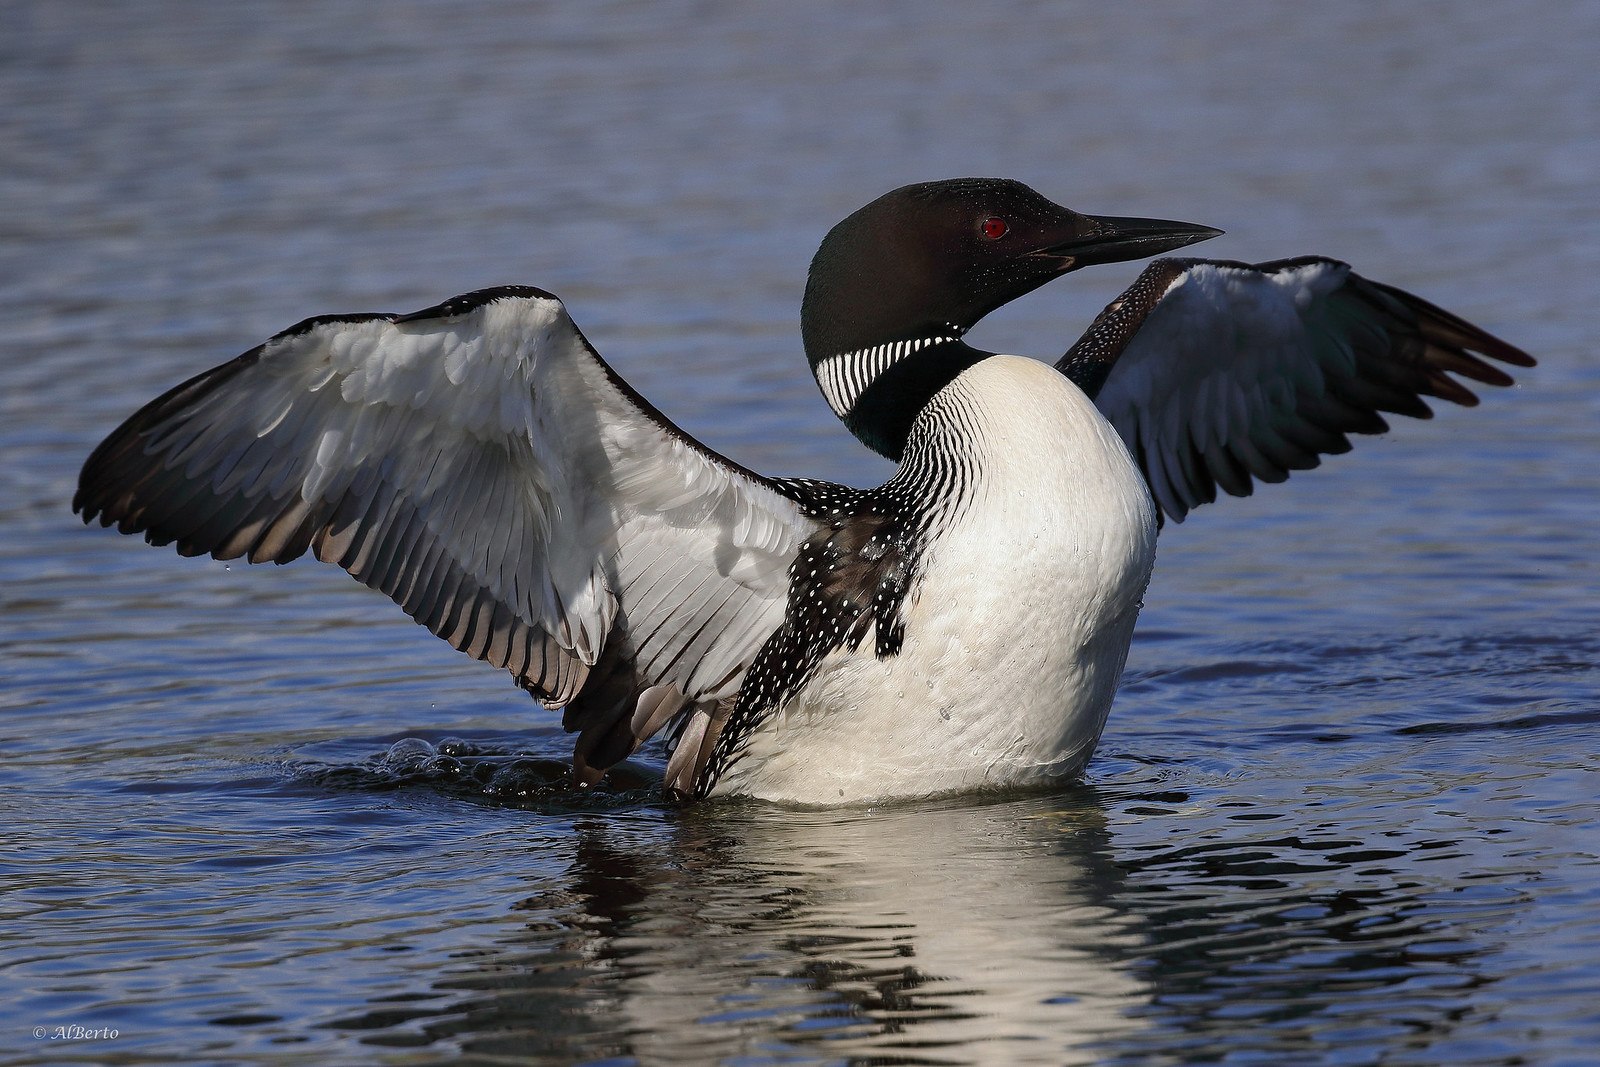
(1345, 808)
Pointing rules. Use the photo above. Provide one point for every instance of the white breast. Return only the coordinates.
(1017, 623)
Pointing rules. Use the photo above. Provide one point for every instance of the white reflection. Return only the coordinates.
(935, 934)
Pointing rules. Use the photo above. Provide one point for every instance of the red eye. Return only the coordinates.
(994, 226)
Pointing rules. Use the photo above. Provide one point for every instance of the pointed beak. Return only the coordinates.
(1105, 239)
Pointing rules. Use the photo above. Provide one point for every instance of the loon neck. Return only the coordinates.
(879, 389)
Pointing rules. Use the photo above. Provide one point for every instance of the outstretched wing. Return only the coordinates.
(1217, 373)
(480, 464)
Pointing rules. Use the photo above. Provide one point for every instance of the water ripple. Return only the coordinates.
(1344, 808)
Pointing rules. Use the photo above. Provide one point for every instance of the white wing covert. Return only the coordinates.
(481, 465)
(1215, 373)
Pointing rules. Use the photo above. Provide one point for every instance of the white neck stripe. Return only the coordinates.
(845, 376)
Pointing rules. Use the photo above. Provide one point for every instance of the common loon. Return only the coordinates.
(962, 626)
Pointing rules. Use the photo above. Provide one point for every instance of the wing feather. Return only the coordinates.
(479, 464)
(1219, 373)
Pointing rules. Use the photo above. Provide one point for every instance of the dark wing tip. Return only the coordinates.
(118, 465)
(1436, 344)
(1449, 328)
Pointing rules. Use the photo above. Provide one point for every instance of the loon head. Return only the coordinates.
(895, 285)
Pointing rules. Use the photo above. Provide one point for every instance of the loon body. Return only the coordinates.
(1031, 572)
(962, 626)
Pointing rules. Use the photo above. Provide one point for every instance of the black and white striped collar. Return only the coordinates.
(844, 376)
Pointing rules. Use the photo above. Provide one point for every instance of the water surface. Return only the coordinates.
(1344, 811)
